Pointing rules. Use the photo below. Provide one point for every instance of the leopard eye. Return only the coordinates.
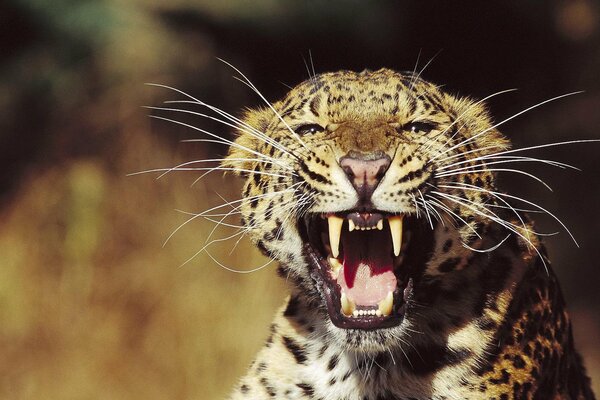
(309, 129)
(419, 127)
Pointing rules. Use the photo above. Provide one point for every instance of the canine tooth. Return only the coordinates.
(348, 306)
(351, 225)
(335, 266)
(396, 229)
(380, 225)
(385, 305)
(335, 230)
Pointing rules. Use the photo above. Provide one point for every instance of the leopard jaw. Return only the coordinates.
(335, 230)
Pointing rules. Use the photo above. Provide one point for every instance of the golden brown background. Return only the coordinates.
(92, 306)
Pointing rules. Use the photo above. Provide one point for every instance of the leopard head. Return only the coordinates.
(370, 191)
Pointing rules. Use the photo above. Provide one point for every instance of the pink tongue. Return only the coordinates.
(367, 275)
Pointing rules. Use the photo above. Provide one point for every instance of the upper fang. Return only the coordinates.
(396, 230)
(335, 231)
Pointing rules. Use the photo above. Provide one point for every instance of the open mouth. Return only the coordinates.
(362, 265)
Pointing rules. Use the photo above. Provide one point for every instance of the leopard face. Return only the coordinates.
(370, 189)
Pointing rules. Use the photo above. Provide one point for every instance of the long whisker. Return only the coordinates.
(237, 271)
(238, 126)
(443, 207)
(181, 167)
(202, 214)
(219, 138)
(466, 246)
(507, 225)
(503, 160)
(251, 85)
(538, 207)
(540, 146)
(516, 171)
(469, 139)
(223, 113)
(462, 114)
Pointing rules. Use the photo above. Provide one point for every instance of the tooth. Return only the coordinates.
(385, 305)
(348, 306)
(380, 225)
(355, 313)
(350, 225)
(335, 230)
(396, 229)
(335, 266)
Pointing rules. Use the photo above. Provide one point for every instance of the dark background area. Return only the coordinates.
(92, 306)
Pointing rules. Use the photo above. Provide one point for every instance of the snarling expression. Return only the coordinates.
(348, 187)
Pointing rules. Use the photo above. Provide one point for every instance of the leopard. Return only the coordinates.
(411, 275)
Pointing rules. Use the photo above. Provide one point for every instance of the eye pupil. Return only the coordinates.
(424, 127)
(309, 129)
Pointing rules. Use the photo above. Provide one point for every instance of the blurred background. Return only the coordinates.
(92, 306)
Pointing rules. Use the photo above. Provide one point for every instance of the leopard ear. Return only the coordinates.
(241, 154)
(475, 117)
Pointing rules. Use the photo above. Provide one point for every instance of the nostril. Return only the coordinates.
(382, 171)
(348, 170)
(364, 172)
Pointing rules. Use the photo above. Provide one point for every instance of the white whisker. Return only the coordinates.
(251, 85)
(239, 124)
(219, 138)
(517, 171)
(469, 139)
(538, 207)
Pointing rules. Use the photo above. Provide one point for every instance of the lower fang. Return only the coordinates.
(348, 306)
(385, 305)
(335, 265)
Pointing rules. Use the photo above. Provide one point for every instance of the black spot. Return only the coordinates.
(518, 362)
(454, 357)
(270, 209)
(244, 389)
(314, 106)
(346, 376)
(503, 379)
(449, 264)
(447, 245)
(261, 245)
(313, 175)
(270, 389)
(292, 308)
(333, 362)
(261, 367)
(486, 324)
(307, 389)
(298, 351)
(323, 350)
(411, 175)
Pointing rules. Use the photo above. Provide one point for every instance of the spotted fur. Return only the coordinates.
(488, 319)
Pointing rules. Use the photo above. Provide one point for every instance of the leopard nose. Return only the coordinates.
(365, 173)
